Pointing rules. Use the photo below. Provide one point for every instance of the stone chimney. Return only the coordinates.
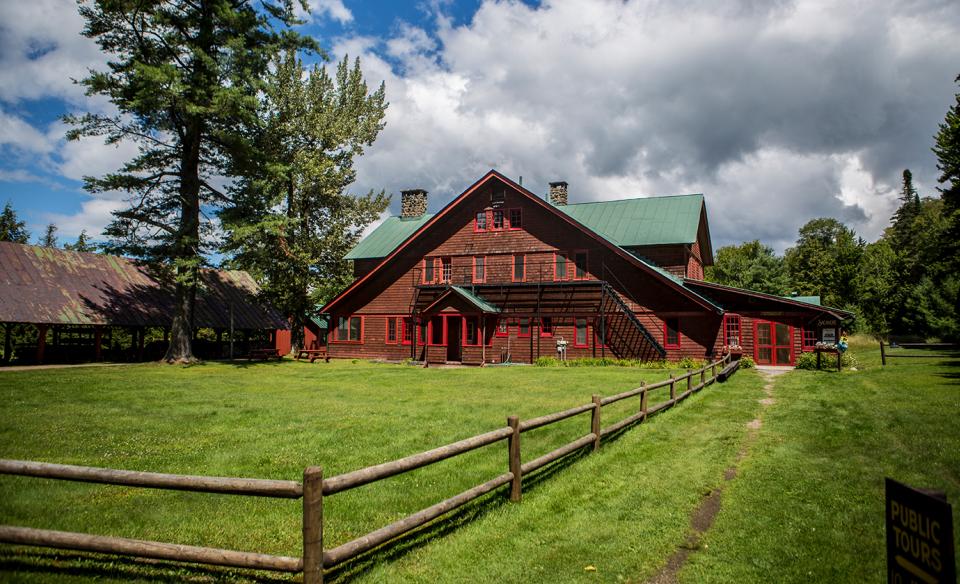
(558, 193)
(413, 203)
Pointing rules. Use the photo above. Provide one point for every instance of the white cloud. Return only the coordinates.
(330, 8)
(93, 216)
(778, 112)
(21, 136)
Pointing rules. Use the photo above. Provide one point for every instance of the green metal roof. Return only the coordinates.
(647, 221)
(626, 223)
(385, 238)
(477, 301)
(815, 300)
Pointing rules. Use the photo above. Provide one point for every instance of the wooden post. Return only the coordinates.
(689, 380)
(98, 343)
(839, 354)
(703, 377)
(818, 360)
(513, 452)
(883, 354)
(595, 422)
(313, 525)
(713, 371)
(7, 342)
(41, 341)
(141, 333)
(643, 400)
(673, 388)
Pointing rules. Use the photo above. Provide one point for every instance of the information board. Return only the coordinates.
(919, 537)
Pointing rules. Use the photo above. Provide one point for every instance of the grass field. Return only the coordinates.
(806, 504)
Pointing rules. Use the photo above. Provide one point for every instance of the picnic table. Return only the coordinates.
(313, 354)
(270, 353)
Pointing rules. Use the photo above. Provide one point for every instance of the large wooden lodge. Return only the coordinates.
(501, 274)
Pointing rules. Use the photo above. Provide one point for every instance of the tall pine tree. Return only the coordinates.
(294, 221)
(11, 227)
(184, 77)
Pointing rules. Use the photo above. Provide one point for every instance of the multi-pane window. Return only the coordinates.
(350, 329)
(516, 219)
(580, 265)
(546, 327)
(503, 328)
(446, 269)
(671, 333)
(519, 268)
(809, 339)
(479, 269)
(498, 218)
(428, 271)
(731, 329)
(408, 332)
(481, 221)
(391, 329)
(523, 329)
(580, 338)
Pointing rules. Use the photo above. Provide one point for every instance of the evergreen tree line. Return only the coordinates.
(15, 230)
(906, 283)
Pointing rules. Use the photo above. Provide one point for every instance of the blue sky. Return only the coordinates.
(777, 112)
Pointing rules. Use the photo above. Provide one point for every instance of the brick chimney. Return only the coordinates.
(558, 193)
(413, 203)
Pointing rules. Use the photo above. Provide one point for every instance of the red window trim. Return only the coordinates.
(726, 317)
(572, 265)
(803, 338)
(493, 223)
(476, 224)
(397, 323)
(349, 342)
(418, 330)
(586, 337)
(544, 333)
(520, 334)
(443, 319)
(513, 268)
(506, 332)
(438, 269)
(463, 328)
(484, 279)
(666, 344)
(509, 218)
(773, 340)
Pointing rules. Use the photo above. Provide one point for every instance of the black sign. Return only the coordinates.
(919, 537)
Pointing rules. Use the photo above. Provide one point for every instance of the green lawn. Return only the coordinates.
(619, 510)
(807, 502)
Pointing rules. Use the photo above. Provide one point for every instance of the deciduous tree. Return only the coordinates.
(825, 261)
(750, 265)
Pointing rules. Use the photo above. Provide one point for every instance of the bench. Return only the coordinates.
(271, 353)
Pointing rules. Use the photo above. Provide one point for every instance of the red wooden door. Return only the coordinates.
(774, 343)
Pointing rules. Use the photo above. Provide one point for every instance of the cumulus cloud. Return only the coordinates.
(778, 112)
(330, 8)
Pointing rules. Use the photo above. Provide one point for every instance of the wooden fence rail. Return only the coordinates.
(314, 487)
(884, 354)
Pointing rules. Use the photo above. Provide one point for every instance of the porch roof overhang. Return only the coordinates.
(471, 299)
(705, 288)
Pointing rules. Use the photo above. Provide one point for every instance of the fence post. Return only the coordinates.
(713, 370)
(883, 355)
(673, 388)
(689, 380)
(513, 452)
(595, 422)
(643, 400)
(313, 525)
(703, 376)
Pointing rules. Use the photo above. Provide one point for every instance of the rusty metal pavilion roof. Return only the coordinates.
(41, 285)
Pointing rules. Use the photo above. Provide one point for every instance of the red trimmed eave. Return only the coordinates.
(834, 312)
(543, 204)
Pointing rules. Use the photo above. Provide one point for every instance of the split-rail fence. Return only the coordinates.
(315, 487)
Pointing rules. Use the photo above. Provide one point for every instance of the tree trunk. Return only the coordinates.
(186, 249)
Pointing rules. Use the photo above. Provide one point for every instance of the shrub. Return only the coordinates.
(747, 362)
(808, 361)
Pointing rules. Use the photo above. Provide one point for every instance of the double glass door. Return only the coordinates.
(774, 343)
